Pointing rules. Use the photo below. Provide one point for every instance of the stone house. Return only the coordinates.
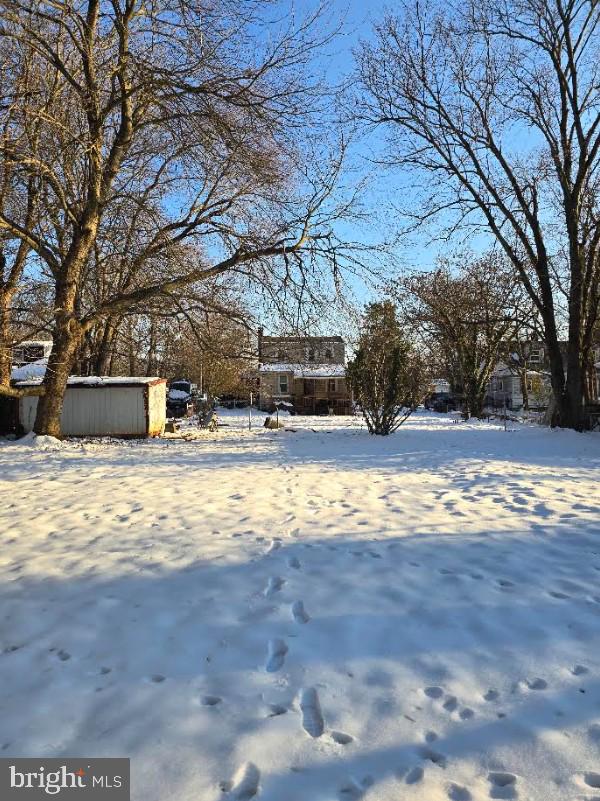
(306, 375)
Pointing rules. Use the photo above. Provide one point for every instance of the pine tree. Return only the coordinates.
(386, 376)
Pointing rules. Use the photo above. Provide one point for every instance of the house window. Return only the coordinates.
(283, 385)
(328, 354)
(331, 385)
(535, 355)
(500, 385)
(311, 355)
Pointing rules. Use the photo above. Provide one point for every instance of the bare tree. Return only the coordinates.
(18, 193)
(187, 113)
(468, 308)
(497, 103)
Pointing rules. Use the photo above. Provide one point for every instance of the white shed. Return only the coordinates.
(100, 407)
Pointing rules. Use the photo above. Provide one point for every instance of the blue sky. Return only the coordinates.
(386, 187)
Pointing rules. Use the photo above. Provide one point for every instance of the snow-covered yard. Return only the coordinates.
(309, 615)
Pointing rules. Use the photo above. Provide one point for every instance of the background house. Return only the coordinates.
(505, 388)
(306, 374)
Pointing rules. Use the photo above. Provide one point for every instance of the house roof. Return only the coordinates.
(29, 371)
(305, 370)
(501, 370)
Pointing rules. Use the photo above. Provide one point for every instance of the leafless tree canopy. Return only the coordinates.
(468, 309)
(167, 143)
(496, 106)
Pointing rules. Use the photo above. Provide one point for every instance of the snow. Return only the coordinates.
(178, 394)
(94, 380)
(309, 614)
(35, 370)
(40, 441)
(305, 370)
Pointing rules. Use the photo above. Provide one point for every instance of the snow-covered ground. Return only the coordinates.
(308, 615)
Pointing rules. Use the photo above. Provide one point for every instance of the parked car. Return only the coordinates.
(441, 402)
(180, 400)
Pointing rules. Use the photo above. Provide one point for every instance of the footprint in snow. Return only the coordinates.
(466, 714)
(537, 684)
(245, 782)
(414, 775)
(210, 700)
(433, 692)
(276, 652)
(354, 790)
(503, 785)
(341, 738)
(274, 585)
(294, 562)
(312, 717)
(579, 670)
(592, 780)
(594, 732)
(457, 793)
(299, 613)
(432, 756)
(451, 703)
(491, 695)
(274, 545)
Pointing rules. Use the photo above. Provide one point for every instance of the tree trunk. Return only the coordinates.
(568, 391)
(104, 348)
(571, 401)
(524, 388)
(67, 339)
(5, 337)
(474, 399)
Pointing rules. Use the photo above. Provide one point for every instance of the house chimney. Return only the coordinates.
(261, 331)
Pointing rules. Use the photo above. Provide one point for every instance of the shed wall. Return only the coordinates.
(157, 409)
(104, 411)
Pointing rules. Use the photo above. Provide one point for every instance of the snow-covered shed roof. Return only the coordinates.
(98, 381)
(305, 370)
